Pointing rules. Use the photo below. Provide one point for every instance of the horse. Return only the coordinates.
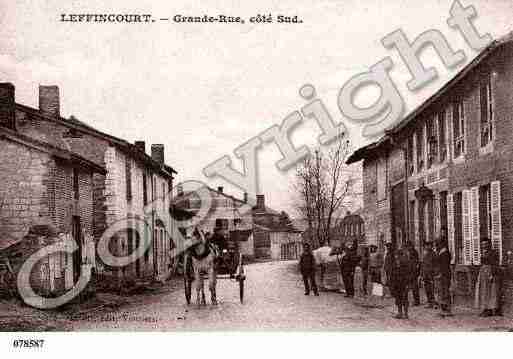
(203, 261)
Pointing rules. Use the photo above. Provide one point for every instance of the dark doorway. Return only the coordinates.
(398, 215)
(76, 232)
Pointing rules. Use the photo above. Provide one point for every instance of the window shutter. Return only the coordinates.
(68, 272)
(436, 216)
(495, 188)
(51, 270)
(467, 230)
(450, 226)
(476, 240)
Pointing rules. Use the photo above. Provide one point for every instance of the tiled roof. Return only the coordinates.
(362, 152)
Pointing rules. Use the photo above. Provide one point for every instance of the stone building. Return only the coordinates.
(46, 197)
(131, 187)
(275, 236)
(350, 229)
(456, 151)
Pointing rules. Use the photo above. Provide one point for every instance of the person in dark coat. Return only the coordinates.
(400, 279)
(348, 263)
(428, 273)
(307, 268)
(444, 277)
(413, 256)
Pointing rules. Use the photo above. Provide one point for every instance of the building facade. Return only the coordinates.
(456, 151)
(133, 186)
(46, 197)
(275, 236)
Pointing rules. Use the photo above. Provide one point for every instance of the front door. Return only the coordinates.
(76, 231)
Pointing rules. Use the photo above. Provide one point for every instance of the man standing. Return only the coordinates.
(307, 268)
(428, 272)
(347, 264)
(413, 257)
(444, 276)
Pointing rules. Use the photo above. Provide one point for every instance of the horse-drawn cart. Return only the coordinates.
(227, 264)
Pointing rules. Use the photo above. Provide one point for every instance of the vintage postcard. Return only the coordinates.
(181, 166)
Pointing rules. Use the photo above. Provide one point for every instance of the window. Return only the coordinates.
(458, 122)
(485, 211)
(441, 135)
(145, 189)
(420, 148)
(153, 188)
(486, 112)
(411, 215)
(382, 178)
(222, 223)
(76, 192)
(128, 179)
(432, 140)
(458, 227)
(409, 149)
(237, 221)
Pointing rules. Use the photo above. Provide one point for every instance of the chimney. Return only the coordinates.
(260, 202)
(49, 103)
(7, 106)
(179, 190)
(245, 197)
(140, 145)
(220, 189)
(157, 153)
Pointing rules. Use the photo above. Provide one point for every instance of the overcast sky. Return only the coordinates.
(204, 89)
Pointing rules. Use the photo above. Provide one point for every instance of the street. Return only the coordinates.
(274, 299)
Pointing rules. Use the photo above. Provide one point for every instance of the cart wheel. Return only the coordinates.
(187, 289)
(241, 290)
(187, 283)
(241, 277)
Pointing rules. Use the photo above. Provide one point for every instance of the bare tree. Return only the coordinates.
(325, 187)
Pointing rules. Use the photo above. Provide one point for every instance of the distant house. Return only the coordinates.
(351, 229)
(226, 216)
(275, 235)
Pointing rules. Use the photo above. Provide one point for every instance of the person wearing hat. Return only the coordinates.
(428, 272)
(307, 268)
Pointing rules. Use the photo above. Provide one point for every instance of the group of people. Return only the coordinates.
(402, 270)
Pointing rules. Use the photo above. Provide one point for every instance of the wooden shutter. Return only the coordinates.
(495, 189)
(467, 230)
(436, 216)
(51, 271)
(474, 222)
(450, 226)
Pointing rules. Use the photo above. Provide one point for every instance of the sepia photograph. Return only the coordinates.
(249, 167)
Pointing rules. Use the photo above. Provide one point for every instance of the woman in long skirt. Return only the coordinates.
(487, 297)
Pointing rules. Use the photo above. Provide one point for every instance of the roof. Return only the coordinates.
(76, 124)
(52, 150)
(367, 150)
